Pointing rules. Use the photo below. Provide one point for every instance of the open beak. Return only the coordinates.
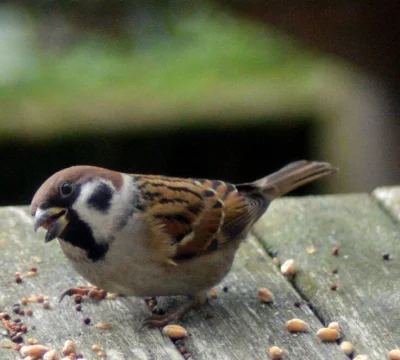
(54, 220)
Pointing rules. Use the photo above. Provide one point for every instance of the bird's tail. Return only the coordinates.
(288, 178)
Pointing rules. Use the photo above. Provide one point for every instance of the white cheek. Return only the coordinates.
(104, 224)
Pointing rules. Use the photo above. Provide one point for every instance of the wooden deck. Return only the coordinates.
(235, 324)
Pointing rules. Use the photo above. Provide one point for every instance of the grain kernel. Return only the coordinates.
(288, 267)
(276, 353)
(35, 351)
(69, 347)
(32, 341)
(276, 261)
(111, 296)
(31, 273)
(266, 295)
(347, 347)
(101, 354)
(328, 335)
(394, 354)
(96, 347)
(334, 325)
(297, 325)
(46, 305)
(361, 357)
(212, 292)
(174, 331)
(51, 355)
(103, 325)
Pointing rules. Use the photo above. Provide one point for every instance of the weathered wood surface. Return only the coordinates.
(389, 198)
(367, 300)
(235, 325)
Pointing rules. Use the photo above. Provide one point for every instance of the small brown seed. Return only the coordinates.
(212, 292)
(69, 347)
(51, 355)
(18, 279)
(333, 287)
(101, 354)
(266, 295)
(334, 325)
(36, 351)
(86, 320)
(78, 299)
(328, 335)
(31, 273)
(335, 251)
(297, 325)
(394, 354)
(32, 341)
(28, 312)
(276, 353)
(24, 301)
(288, 267)
(96, 347)
(103, 325)
(276, 261)
(174, 331)
(347, 347)
(33, 269)
(46, 305)
(39, 298)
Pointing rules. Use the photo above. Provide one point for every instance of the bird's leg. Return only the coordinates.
(92, 291)
(157, 320)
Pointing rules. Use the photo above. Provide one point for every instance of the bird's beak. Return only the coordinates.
(53, 219)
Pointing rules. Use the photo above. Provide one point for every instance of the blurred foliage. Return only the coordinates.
(203, 49)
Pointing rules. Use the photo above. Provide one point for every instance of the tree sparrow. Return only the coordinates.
(149, 235)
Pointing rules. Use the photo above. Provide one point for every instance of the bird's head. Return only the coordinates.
(79, 204)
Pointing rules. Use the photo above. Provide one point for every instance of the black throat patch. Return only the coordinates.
(78, 233)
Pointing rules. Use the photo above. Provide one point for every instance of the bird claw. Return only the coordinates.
(80, 290)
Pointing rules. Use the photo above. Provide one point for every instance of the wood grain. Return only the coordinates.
(367, 300)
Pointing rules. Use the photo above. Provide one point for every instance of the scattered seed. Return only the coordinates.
(36, 259)
(24, 301)
(86, 320)
(101, 354)
(266, 295)
(361, 357)
(212, 292)
(297, 304)
(328, 335)
(51, 355)
(28, 312)
(18, 279)
(225, 289)
(32, 341)
(69, 347)
(111, 296)
(311, 250)
(276, 353)
(96, 347)
(174, 331)
(333, 287)
(394, 354)
(297, 325)
(335, 251)
(276, 261)
(347, 347)
(288, 267)
(16, 308)
(35, 351)
(334, 325)
(386, 257)
(78, 299)
(335, 271)
(46, 305)
(78, 307)
(103, 325)
(31, 273)
(39, 299)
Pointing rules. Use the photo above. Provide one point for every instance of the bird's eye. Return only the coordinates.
(66, 189)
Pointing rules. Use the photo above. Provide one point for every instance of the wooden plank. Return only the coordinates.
(241, 326)
(366, 302)
(389, 198)
(123, 341)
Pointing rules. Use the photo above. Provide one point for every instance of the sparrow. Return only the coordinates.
(151, 235)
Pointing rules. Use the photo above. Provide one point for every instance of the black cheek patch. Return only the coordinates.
(101, 198)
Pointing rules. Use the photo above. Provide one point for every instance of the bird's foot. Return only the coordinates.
(171, 317)
(91, 291)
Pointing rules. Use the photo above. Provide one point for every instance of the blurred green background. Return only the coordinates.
(184, 88)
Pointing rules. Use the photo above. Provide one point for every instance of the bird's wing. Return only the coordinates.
(190, 217)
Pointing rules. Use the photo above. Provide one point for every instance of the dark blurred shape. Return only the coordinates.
(237, 154)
